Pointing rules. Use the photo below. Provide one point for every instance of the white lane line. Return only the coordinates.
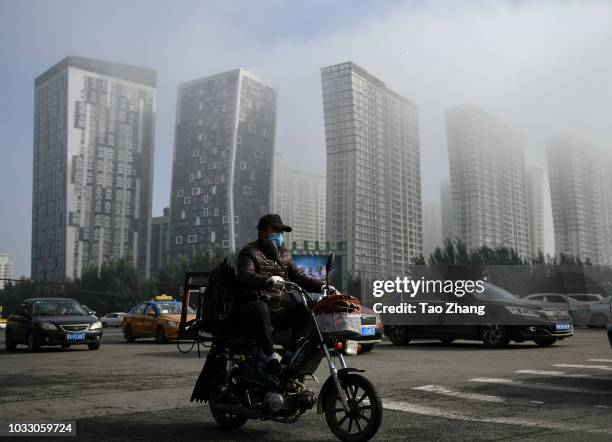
(563, 374)
(439, 389)
(601, 360)
(538, 386)
(532, 423)
(594, 367)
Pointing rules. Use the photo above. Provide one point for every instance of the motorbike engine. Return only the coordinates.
(306, 399)
(275, 401)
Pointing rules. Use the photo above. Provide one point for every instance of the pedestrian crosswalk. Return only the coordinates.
(503, 400)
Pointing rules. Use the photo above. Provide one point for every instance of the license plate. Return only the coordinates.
(559, 326)
(368, 331)
(350, 348)
(75, 336)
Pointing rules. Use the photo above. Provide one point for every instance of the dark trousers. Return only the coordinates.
(256, 320)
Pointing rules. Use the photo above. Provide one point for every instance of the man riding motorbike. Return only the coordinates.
(262, 301)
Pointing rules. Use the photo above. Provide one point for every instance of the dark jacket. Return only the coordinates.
(254, 268)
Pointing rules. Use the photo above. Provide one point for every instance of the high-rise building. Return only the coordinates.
(373, 171)
(581, 198)
(93, 166)
(160, 241)
(299, 198)
(535, 205)
(223, 156)
(487, 173)
(432, 227)
(6, 269)
(446, 203)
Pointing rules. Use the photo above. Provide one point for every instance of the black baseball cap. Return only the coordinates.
(272, 219)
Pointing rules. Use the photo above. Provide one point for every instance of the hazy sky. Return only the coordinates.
(541, 67)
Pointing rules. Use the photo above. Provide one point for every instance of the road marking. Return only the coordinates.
(538, 386)
(594, 367)
(601, 360)
(439, 389)
(563, 374)
(532, 423)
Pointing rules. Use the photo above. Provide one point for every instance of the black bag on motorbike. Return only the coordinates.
(216, 303)
(214, 364)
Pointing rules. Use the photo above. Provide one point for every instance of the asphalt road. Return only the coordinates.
(430, 391)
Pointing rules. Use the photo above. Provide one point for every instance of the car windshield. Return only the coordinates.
(58, 307)
(492, 292)
(172, 308)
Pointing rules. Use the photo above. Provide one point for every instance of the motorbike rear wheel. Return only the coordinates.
(365, 416)
(225, 420)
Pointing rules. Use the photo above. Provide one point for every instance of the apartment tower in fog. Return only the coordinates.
(535, 204)
(222, 167)
(432, 228)
(487, 172)
(581, 198)
(373, 171)
(93, 166)
(446, 208)
(299, 198)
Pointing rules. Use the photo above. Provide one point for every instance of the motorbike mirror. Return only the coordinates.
(269, 249)
(330, 263)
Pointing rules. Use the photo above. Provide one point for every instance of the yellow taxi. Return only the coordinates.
(158, 318)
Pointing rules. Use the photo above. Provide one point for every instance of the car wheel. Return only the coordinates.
(33, 341)
(545, 342)
(128, 335)
(599, 320)
(397, 334)
(495, 336)
(447, 341)
(94, 346)
(104, 325)
(8, 341)
(160, 335)
(366, 348)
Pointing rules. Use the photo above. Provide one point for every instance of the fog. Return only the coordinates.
(540, 67)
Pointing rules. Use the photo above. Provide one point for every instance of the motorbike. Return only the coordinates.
(238, 389)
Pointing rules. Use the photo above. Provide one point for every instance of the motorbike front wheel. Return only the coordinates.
(365, 410)
(225, 420)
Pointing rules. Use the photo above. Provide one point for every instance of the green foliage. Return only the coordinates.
(117, 286)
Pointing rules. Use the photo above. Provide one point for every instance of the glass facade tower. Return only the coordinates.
(93, 166)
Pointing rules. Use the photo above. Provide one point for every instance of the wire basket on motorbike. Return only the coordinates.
(339, 315)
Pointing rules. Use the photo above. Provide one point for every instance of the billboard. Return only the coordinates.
(314, 266)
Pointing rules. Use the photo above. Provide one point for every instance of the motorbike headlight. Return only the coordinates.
(95, 326)
(522, 311)
(48, 326)
(172, 324)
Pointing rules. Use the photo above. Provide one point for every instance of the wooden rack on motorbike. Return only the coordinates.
(193, 283)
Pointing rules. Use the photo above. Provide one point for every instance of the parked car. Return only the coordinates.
(158, 318)
(600, 314)
(52, 321)
(371, 333)
(579, 311)
(516, 320)
(599, 305)
(586, 297)
(112, 319)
